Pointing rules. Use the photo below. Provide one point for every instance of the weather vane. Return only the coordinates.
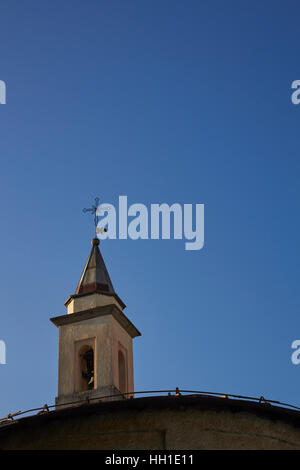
(93, 210)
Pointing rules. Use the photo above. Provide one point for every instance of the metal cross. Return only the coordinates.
(93, 210)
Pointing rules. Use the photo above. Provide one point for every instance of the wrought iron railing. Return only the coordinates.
(11, 417)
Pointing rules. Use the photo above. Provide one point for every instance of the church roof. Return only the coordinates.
(95, 277)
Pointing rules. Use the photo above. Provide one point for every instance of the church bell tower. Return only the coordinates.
(95, 339)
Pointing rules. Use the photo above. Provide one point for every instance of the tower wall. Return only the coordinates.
(108, 340)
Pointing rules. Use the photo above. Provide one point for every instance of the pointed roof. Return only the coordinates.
(95, 277)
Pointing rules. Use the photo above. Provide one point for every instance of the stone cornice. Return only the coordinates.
(98, 312)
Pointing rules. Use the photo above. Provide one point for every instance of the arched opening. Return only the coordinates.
(122, 372)
(86, 364)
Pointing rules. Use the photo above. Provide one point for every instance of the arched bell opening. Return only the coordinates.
(86, 373)
(122, 372)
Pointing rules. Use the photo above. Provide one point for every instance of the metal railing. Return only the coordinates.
(10, 418)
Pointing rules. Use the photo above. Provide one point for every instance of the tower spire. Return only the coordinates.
(94, 286)
(95, 277)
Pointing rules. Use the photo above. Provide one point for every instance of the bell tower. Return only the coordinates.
(95, 339)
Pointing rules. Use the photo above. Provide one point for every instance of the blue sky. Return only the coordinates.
(162, 101)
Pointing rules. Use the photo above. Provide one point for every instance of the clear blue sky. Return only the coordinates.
(162, 101)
